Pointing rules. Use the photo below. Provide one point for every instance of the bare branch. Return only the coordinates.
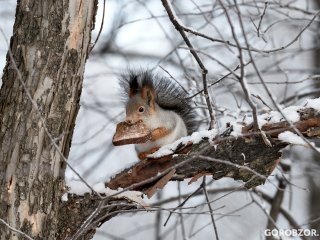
(264, 12)
(174, 19)
(257, 96)
(207, 197)
(101, 27)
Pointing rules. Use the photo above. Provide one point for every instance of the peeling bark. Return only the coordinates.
(50, 45)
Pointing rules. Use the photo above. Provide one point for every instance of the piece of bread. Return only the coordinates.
(131, 134)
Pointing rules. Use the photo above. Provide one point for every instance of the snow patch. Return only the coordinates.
(64, 197)
(80, 188)
(196, 137)
(312, 103)
(291, 138)
(290, 112)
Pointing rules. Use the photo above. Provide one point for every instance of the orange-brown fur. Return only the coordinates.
(159, 133)
(144, 92)
(135, 116)
(131, 92)
(142, 155)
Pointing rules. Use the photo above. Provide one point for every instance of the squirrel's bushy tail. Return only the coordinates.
(168, 94)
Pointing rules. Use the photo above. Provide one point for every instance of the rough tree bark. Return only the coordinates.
(50, 44)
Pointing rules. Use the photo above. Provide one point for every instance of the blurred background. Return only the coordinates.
(139, 34)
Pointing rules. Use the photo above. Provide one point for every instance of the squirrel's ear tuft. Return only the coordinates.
(148, 95)
(133, 87)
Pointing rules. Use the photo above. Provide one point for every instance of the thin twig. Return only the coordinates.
(257, 96)
(254, 24)
(208, 224)
(211, 191)
(311, 221)
(220, 79)
(174, 79)
(59, 137)
(207, 197)
(291, 184)
(264, 12)
(174, 19)
(210, 23)
(180, 214)
(180, 205)
(101, 27)
(295, 82)
(15, 230)
(165, 33)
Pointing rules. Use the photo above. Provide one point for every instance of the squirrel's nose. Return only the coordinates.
(129, 121)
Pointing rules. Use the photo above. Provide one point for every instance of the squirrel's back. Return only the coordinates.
(168, 94)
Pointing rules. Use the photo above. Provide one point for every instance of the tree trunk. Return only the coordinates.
(50, 45)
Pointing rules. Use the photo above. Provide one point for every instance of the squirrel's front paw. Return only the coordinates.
(142, 155)
(154, 135)
(159, 133)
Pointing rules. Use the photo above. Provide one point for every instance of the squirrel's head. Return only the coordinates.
(141, 105)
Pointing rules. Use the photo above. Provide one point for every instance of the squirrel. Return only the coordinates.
(159, 103)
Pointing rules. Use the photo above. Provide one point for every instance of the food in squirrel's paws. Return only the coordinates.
(131, 134)
(159, 103)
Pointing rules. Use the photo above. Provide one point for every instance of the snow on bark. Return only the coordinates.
(290, 137)
(292, 113)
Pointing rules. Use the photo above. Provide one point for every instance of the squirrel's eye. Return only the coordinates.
(141, 109)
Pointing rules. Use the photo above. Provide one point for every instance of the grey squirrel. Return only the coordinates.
(159, 103)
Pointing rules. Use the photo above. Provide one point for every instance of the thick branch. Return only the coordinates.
(250, 151)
